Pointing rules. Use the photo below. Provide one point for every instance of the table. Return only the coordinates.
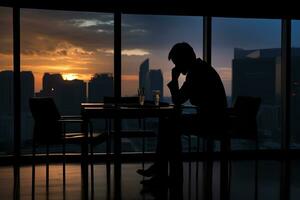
(117, 112)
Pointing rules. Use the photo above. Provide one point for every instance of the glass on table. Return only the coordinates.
(156, 97)
(141, 95)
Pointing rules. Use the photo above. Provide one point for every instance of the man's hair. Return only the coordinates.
(182, 50)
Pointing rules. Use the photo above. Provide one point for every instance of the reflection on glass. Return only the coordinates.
(246, 53)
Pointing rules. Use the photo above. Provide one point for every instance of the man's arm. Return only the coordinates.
(179, 95)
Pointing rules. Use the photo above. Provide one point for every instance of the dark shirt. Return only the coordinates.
(203, 87)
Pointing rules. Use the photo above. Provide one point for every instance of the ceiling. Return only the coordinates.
(247, 9)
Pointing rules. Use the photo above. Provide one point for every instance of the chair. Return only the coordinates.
(50, 129)
(242, 118)
(242, 124)
(49, 126)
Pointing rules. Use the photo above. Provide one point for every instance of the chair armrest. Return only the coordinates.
(71, 117)
(188, 109)
(71, 120)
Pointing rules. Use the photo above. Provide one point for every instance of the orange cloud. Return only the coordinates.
(130, 77)
(127, 52)
(225, 73)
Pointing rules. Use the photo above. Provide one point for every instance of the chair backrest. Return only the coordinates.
(245, 111)
(47, 128)
(247, 106)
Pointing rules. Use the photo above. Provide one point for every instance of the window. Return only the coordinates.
(146, 42)
(246, 53)
(67, 56)
(295, 86)
(6, 82)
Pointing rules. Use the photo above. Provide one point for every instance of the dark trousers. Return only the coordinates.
(169, 147)
(169, 139)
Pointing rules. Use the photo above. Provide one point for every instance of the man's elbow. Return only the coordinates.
(177, 100)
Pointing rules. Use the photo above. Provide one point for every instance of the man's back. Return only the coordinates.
(208, 94)
(207, 90)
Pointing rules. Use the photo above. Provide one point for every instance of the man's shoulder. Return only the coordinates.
(201, 64)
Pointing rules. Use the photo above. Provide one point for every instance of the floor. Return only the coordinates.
(242, 182)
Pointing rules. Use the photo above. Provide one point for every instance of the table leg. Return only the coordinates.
(117, 160)
(224, 191)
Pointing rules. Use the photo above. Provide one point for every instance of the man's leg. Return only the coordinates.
(168, 149)
(165, 142)
(173, 144)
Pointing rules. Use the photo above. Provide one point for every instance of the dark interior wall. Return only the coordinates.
(247, 9)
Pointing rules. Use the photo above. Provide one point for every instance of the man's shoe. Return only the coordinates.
(155, 182)
(151, 171)
(145, 173)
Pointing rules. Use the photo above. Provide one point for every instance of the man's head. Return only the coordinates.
(183, 56)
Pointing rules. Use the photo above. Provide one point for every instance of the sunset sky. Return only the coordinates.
(80, 44)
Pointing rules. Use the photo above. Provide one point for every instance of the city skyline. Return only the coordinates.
(80, 44)
(256, 72)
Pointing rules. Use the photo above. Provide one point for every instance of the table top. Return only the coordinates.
(101, 110)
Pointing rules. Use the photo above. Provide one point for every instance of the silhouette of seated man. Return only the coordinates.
(204, 89)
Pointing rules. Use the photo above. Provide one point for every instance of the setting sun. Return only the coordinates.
(70, 77)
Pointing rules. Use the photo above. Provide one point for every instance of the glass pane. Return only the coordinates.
(242, 180)
(246, 53)
(6, 82)
(146, 42)
(294, 181)
(295, 86)
(67, 56)
(269, 180)
(242, 184)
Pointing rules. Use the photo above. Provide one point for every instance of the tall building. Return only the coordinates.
(99, 86)
(6, 107)
(73, 93)
(150, 79)
(51, 82)
(68, 95)
(6, 111)
(254, 74)
(156, 81)
(27, 90)
(6, 88)
(144, 80)
(258, 73)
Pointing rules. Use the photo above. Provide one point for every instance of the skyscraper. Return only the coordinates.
(6, 111)
(50, 83)
(258, 73)
(254, 74)
(6, 97)
(27, 90)
(150, 79)
(6, 88)
(156, 81)
(6, 107)
(144, 80)
(68, 95)
(100, 85)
